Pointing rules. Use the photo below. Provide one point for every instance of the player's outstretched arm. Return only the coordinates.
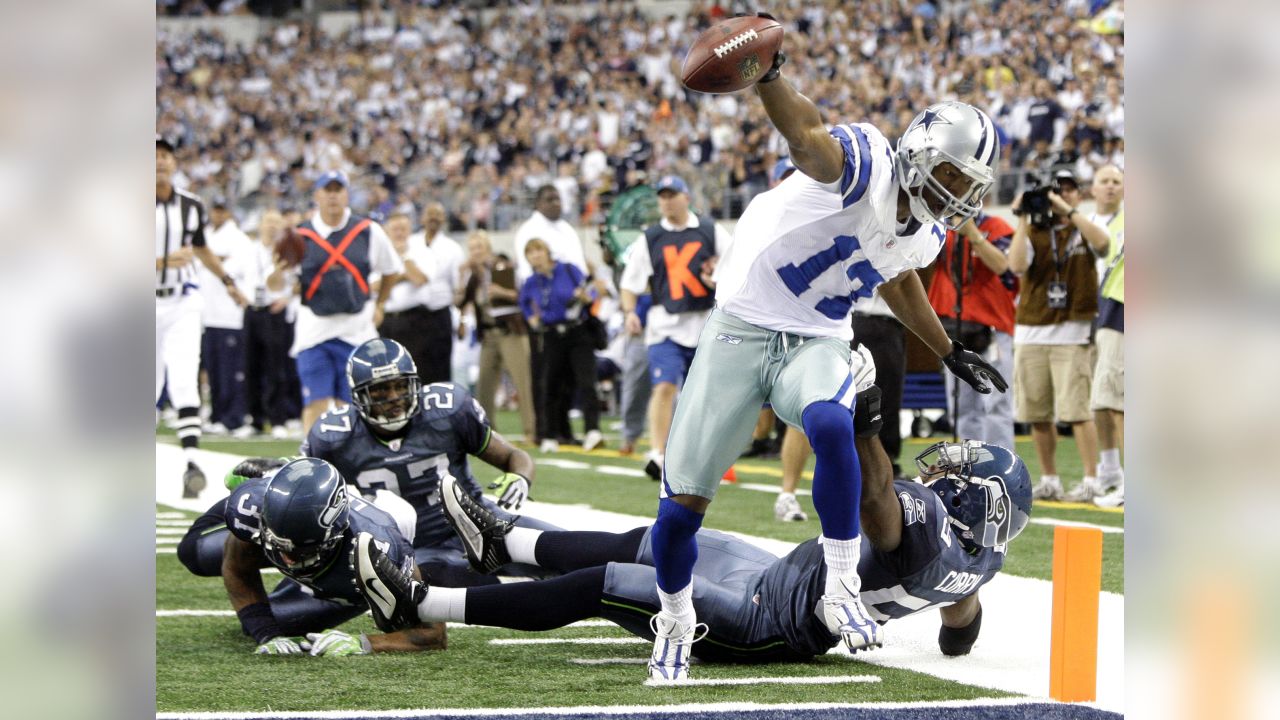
(507, 457)
(880, 515)
(813, 150)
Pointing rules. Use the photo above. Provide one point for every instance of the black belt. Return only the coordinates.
(564, 327)
(166, 292)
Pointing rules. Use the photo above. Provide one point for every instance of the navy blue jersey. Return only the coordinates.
(337, 581)
(449, 426)
(929, 568)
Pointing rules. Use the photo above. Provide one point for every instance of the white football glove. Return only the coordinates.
(863, 367)
(335, 643)
(512, 490)
(279, 646)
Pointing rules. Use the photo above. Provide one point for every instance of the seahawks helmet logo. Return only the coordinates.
(333, 508)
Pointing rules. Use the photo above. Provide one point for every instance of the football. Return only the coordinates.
(731, 55)
(291, 246)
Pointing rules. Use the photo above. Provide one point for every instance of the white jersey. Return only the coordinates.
(805, 251)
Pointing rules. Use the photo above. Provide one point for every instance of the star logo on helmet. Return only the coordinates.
(930, 117)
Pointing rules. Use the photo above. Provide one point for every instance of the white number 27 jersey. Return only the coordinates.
(804, 252)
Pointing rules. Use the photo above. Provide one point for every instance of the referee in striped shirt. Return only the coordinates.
(180, 221)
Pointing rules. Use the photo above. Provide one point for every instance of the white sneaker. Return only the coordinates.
(1085, 492)
(549, 446)
(244, 432)
(280, 432)
(216, 429)
(294, 426)
(592, 440)
(846, 617)
(1049, 488)
(673, 640)
(787, 509)
(1112, 499)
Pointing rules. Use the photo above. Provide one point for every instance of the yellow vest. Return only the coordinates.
(1113, 285)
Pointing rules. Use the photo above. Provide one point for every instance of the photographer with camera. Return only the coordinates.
(1054, 252)
(973, 293)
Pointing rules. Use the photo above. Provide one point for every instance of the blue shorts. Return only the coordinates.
(669, 362)
(322, 371)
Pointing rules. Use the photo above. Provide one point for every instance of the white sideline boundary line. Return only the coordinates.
(170, 515)
(609, 661)
(722, 707)
(171, 523)
(570, 641)
(815, 680)
(179, 532)
(1108, 529)
(196, 612)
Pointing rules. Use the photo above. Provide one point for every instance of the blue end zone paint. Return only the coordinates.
(1019, 711)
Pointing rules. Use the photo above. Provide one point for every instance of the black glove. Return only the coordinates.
(867, 418)
(971, 368)
(778, 61)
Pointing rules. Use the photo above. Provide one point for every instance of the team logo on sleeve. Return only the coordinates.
(912, 509)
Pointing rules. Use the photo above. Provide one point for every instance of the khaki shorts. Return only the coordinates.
(1052, 382)
(1108, 374)
(737, 368)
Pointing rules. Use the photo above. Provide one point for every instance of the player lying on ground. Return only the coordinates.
(931, 545)
(303, 522)
(403, 437)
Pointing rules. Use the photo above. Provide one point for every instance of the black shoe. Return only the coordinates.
(653, 470)
(193, 481)
(760, 448)
(483, 534)
(392, 593)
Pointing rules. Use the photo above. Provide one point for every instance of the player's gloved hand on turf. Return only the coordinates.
(971, 368)
(279, 646)
(512, 490)
(867, 416)
(335, 643)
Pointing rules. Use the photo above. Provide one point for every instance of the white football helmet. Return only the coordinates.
(948, 132)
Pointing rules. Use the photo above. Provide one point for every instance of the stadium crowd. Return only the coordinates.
(476, 112)
(478, 109)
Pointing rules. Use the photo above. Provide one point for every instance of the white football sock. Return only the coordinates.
(444, 604)
(680, 603)
(1109, 460)
(521, 543)
(841, 557)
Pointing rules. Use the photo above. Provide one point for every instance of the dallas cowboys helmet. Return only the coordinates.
(304, 516)
(985, 488)
(384, 384)
(948, 132)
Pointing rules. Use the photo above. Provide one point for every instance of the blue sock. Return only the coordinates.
(837, 476)
(675, 549)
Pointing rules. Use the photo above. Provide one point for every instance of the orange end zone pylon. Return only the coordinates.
(730, 475)
(1077, 580)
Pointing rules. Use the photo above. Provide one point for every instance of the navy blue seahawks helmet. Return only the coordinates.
(304, 515)
(985, 488)
(384, 384)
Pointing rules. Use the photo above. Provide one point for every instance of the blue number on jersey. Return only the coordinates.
(799, 278)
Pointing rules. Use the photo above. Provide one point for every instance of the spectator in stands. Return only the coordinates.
(338, 312)
(222, 345)
(489, 288)
(554, 301)
(270, 376)
(1107, 399)
(438, 292)
(407, 319)
(974, 260)
(1053, 364)
(675, 258)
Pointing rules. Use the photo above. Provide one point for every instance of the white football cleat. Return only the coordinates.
(1112, 499)
(673, 640)
(787, 509)
(482, 532)
(846, 617)
(592, 440)
(1049, 488)
(1085, 492)
(392, 593)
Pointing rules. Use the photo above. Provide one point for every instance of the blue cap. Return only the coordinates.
(671, 182)
(331, 177)
(782, 169)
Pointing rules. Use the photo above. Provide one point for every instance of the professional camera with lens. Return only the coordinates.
(1035, 200)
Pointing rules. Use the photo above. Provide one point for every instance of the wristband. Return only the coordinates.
(365, 645)
(258, 622)
(959, 641)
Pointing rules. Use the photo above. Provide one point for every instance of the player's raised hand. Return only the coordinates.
(335, 643)
(512, 490)
(279, 646)
(971, 368)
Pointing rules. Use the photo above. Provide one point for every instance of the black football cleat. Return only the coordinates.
(193, 481)
(483, 533)
(392, 593)
(653, 470)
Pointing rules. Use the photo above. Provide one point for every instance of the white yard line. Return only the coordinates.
(1011, 655)
(1109, 529)
(816, 680)
(170, 515)
(570, 641)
